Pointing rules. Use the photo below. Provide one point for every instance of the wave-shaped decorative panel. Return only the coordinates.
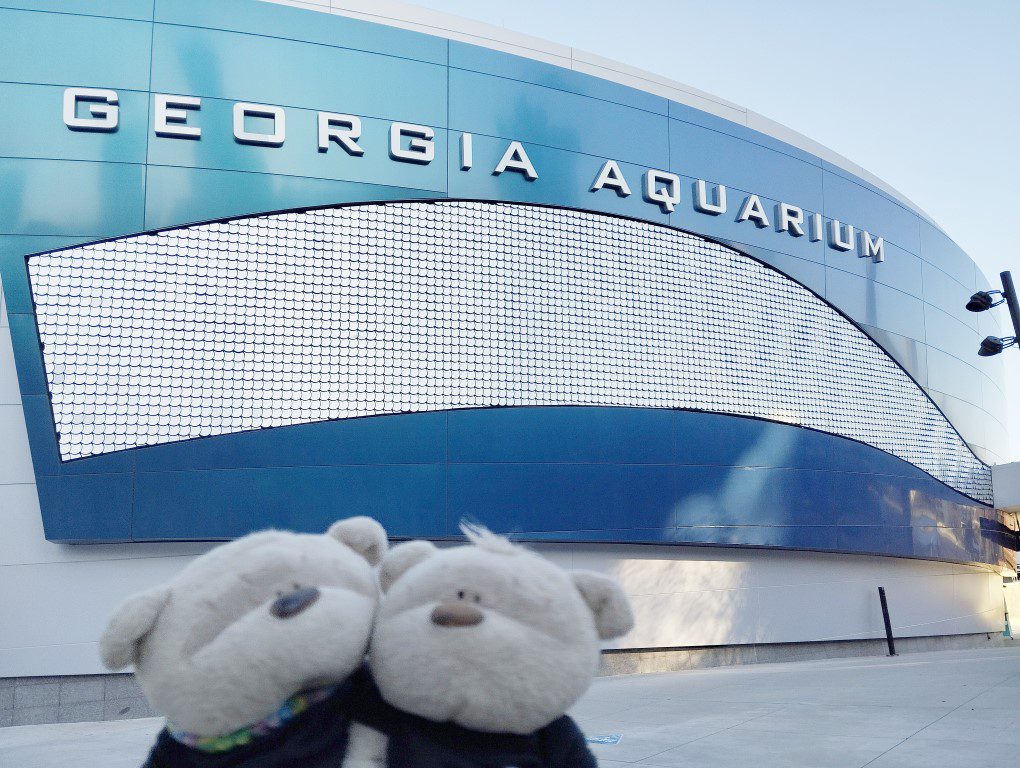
(334, 313)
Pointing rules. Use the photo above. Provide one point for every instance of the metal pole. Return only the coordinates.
(888, 624)
(1009, 294)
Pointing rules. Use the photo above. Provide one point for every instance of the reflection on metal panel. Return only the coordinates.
(388, 308)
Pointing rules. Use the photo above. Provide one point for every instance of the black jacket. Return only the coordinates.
(316, 738)
(415, 742)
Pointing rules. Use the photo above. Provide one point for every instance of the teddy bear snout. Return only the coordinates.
(456, 615)
(292, 603)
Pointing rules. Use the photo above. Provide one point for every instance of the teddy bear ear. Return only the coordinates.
(129, 625)
(402, 558)
(608, 602)
(362, 534)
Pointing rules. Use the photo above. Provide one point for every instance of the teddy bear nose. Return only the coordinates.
(456, 615)
(294, 602)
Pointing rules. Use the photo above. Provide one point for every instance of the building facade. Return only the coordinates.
(273, 264)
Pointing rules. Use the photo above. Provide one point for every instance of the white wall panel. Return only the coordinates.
(9, 392)
(54, 612)
(1006, 480)
(15, 460)
(687, 596)
(818, 609)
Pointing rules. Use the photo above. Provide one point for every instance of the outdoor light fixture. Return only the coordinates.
(982, 300)
(993, 345)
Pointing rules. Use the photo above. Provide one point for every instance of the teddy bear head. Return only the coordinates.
(489, 635)
(251, 623)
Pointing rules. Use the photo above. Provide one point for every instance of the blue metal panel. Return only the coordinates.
(758, 496)
(854, 457)
(179, 195)
(203, 62)
(61, 197)
(949, 294)
(938, 250)
(887, 540)
(60, 49)
(994, 324)
(953, 376)
(490, 62)
(33, 127)
(43, 444)
(747, 443)
(947, 334)
(717, 157)
(522, 498)
(197, 505)
(687, 114)
(565, 473)
(553, 473)
(995, 449)
(876, 500)
(214, 504)
(94, 507)
(119, 9)
(901, 269)
(496, 106)
(993, 399)
(857, 203)
(560, 435)
(875, 304)
(304, 26)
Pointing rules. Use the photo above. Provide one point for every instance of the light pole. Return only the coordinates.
(984, 300)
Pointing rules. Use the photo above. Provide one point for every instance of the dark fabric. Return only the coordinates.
(415, 742)
(314, 739)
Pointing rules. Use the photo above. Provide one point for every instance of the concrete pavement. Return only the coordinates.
(936, 710)
(930, 710)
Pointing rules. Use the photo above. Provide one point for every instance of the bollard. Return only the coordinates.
(888, 624)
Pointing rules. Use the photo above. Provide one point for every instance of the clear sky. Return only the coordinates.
(925, 94)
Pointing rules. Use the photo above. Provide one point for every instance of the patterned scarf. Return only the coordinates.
(290, 709)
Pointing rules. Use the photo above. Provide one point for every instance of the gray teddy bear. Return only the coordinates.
(248, 651)
(477, 653)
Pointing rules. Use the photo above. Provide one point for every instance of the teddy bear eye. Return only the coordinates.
(478, 598)
(297, 586)
(460, 595)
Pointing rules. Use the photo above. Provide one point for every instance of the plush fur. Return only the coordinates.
(489, 636)
(208, 649)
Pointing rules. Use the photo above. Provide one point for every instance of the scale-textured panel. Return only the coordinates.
(389, 308)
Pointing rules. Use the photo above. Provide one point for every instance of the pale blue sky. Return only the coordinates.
(924, 94)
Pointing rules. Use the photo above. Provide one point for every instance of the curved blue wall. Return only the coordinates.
(59, 187)
(544, 473)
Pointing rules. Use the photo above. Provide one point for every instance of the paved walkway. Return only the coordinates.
(928, 710)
